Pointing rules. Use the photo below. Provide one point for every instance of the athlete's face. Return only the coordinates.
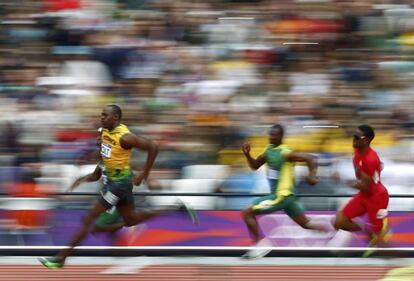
(275, 137)
(108, 118)
(359, 140)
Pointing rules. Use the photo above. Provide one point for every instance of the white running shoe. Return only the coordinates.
(260, 250)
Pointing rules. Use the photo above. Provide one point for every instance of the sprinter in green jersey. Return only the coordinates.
(280, 174)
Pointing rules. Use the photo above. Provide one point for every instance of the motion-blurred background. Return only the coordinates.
(200, 77)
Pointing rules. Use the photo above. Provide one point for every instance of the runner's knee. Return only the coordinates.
(305, 225)
(303, 221)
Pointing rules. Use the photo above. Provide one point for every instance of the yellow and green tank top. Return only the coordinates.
(280, 173)
(115, 158)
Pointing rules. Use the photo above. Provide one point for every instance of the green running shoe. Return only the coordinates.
(51, 263)
(185, 207)
(383, 240)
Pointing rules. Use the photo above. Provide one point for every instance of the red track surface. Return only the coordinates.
(194, 272)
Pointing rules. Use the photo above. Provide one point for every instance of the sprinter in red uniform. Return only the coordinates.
(372, 198)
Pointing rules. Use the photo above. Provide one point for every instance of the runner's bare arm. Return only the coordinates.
(94, 176)
(253, 163)
(310, 161)
(363, 183)
(129, 141)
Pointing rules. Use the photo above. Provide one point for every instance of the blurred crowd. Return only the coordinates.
(200, 77)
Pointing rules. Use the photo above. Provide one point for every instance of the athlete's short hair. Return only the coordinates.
(116, 109)
(367, 130)
(278, 127)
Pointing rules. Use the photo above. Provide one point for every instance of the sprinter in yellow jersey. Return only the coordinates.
(117, 143)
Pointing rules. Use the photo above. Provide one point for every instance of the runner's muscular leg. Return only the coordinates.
(306, 223)
(249, 217)
(88, 220)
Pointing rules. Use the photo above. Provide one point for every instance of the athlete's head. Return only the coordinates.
(363, 136)
(111, 116)
(276, 134)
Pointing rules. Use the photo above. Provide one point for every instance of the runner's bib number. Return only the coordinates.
(272, 174)
(106, 150)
